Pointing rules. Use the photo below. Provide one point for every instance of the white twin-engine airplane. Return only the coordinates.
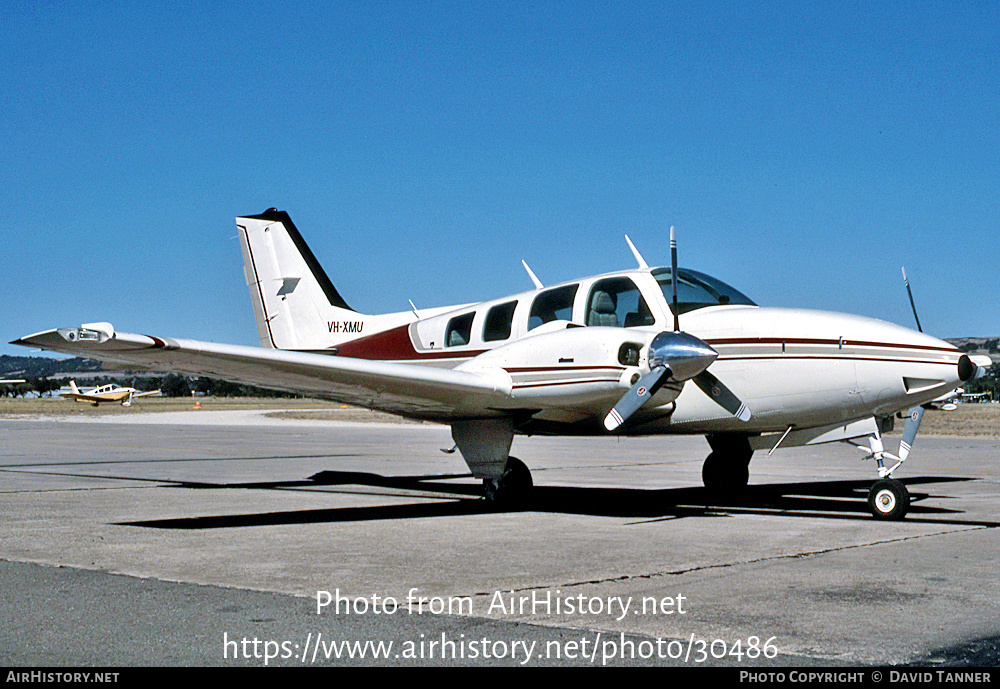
(604, 354)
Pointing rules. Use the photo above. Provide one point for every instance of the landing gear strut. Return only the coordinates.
(512, 489)
(726, 471)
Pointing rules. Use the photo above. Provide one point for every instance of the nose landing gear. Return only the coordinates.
(888, 499)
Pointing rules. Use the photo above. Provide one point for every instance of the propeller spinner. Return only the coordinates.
(676, 356)
(672, 356)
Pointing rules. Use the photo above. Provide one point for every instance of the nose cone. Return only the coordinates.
(685, 355)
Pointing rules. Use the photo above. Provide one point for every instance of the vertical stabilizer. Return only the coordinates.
(294, 301)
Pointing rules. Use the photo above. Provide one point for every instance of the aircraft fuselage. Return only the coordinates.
(792, 367)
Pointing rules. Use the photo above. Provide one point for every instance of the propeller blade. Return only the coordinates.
(910, 431)
(722, 395)
(673, 278)
(912, 305)
(638, 395)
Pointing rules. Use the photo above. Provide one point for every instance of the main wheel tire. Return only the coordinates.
(888, 499)
(513, 488)
(725, 476)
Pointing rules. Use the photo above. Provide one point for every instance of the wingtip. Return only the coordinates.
(27, 340)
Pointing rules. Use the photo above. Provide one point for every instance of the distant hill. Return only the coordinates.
(43, 367)
(989, 346)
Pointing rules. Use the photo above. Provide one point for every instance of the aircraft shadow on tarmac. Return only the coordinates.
(440, 498)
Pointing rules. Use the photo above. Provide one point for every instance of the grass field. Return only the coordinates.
(970, 420)
(296, 408)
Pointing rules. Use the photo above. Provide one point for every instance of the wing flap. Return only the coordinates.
(410, 390)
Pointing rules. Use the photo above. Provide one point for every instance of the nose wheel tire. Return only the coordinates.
(512, 489)
(888, 499)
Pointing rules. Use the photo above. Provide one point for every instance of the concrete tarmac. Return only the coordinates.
(206, 538)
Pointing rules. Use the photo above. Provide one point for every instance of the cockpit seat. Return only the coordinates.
(602, 310)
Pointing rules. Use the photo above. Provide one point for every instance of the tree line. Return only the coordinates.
(171, 385)
(988, 383)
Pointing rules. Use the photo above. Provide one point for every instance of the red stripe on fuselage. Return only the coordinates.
(396, 344)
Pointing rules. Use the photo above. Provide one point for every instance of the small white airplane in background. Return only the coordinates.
(974, 397)
(947, 401)
(599, 355)
(111, 392)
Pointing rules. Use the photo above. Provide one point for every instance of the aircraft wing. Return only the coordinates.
(405, 389)
(79, 397)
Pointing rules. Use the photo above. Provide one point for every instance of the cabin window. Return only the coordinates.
(617, 302)
(554, 305)
(459, 330)
(498, 320)
(696, 290)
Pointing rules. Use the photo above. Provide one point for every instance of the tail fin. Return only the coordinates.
(296, 305)
(72, 386)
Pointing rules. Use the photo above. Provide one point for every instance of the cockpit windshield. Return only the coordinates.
(696, 290)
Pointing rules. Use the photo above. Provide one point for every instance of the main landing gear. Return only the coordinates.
(726, 471)
(512, 489)
(484, 444)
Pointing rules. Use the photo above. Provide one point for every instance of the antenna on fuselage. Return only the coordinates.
(638, 257)
(534, 278)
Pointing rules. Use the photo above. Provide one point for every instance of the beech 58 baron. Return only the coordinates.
(633, 353)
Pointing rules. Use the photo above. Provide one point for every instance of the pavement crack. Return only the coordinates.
(728, 565)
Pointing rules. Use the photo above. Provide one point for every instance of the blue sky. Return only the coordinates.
(805, 151)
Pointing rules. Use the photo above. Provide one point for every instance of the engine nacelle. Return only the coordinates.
(572, 365)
